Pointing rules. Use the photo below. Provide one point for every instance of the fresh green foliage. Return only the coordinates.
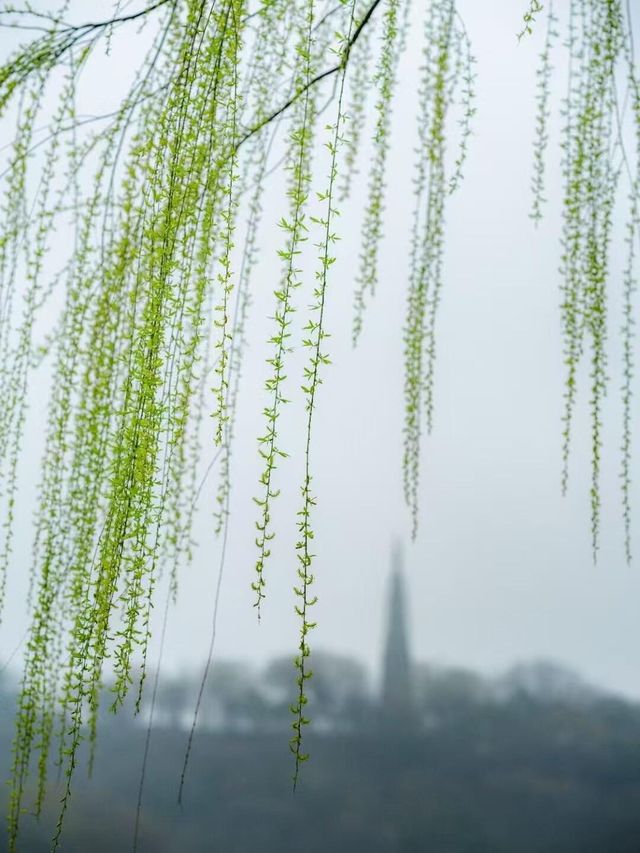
(447, 74)
(385, 80)
(315, 334)
(529, 18)
(542, 119)
(295, 228)
(163, 198)
(595, 163)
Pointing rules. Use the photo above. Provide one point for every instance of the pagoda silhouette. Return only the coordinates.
(397, 705)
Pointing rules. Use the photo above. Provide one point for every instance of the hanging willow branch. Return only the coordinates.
(447, 73)
(601, 109)
(163, 199)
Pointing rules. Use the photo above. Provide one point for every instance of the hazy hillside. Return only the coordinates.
(535, 761)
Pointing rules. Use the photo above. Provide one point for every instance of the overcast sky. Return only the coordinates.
(501, 570)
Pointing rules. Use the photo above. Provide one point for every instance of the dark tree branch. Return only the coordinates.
(124, 18)
(317, 79)
(93, 25)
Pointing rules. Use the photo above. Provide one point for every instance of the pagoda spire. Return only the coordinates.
(397, 704)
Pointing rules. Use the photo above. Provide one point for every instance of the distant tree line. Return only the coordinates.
(344, 697)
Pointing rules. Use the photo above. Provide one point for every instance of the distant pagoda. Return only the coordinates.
(397, 708)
